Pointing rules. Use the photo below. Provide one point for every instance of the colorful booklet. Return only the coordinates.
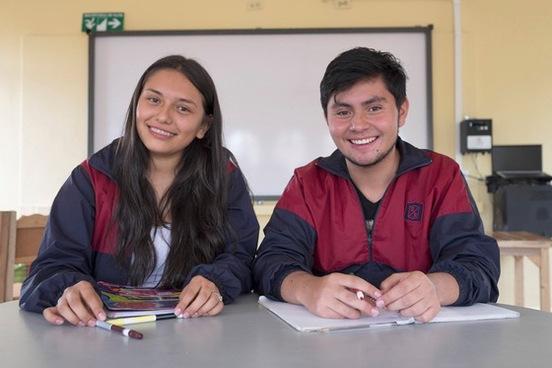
(126, 301)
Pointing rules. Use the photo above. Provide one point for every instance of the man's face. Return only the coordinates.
(364, 122)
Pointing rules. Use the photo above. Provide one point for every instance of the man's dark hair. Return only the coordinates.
(362, 63)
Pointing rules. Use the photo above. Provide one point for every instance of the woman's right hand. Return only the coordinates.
(79, 304)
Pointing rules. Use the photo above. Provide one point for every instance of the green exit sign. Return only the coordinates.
(102, 22)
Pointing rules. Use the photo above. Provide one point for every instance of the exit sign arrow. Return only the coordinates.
(102, 22)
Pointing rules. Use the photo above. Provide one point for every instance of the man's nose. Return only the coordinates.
(359, 122)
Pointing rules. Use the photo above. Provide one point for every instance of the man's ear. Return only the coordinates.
(403, 112)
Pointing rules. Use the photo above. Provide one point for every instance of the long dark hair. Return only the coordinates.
(196, 200)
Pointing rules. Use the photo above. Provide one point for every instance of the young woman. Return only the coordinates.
(163, 206)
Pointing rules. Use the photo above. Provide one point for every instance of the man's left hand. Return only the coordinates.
(413, 294)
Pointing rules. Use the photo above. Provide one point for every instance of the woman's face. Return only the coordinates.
(170, 114)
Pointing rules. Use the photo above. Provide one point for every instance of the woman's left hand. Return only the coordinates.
(200, 297)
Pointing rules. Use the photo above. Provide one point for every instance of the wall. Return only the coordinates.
(507, 77)
(43, 75)
(45, 82)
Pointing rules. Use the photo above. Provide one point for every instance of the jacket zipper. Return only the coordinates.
(371, 224)
(369, 227)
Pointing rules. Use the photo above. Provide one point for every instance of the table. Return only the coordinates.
(521, 244)
(246, 335)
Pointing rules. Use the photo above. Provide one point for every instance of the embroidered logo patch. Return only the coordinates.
(414, 211)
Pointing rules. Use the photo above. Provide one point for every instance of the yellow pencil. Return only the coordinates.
(140, 319)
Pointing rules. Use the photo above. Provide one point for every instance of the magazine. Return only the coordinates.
(126, 301)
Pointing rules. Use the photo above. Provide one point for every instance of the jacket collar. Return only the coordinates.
(410, 159)
(103, 159)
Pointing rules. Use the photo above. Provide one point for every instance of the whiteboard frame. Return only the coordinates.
(425, 30)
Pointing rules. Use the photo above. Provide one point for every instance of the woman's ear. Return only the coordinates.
(207, 121)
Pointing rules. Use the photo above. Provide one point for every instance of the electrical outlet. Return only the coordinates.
(343, 4)
(254, 5)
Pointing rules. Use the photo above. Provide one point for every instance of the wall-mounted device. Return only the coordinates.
(476, 135)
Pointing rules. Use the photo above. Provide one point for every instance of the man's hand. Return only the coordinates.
(200, 297)
(418, 295)
(79, 304)
(330, 296)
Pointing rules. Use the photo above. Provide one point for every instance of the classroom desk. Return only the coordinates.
(246, 335)
(521, 244)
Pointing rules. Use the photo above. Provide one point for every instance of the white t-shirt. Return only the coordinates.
(161, 237)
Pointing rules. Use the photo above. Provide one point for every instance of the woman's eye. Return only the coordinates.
(153, 100)
(182, 109)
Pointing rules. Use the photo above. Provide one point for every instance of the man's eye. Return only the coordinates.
(343, 113)
(375, 108)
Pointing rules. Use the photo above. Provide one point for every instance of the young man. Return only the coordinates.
(378, 216)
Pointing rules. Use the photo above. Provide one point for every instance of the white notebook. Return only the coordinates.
(301, 319)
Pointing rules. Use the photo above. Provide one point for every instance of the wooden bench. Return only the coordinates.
(521, 244)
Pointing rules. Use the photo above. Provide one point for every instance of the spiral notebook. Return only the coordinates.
(302, 320)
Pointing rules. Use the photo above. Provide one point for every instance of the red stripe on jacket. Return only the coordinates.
(329, 203)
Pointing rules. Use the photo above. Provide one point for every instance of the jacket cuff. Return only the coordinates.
(461, 276)
(229, 290)
(48, 291)
(278, 278)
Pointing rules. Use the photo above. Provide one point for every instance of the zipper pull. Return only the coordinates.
(369, 226)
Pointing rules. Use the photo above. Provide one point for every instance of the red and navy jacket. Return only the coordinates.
(426, 221)
(77, 244)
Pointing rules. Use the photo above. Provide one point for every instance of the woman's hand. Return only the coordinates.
(200, 297)
(79, 304)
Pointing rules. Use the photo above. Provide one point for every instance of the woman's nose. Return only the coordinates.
(163, 115)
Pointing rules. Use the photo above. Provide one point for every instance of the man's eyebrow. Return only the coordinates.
(374, 99)
(160, 94)
(371, 100)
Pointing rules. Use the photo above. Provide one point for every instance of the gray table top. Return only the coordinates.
(246, 335)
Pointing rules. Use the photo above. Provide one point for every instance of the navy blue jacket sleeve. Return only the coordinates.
(65, 255)
(231, 270)
(288, 244)
(460, 247)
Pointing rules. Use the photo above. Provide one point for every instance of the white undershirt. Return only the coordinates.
(161, 237)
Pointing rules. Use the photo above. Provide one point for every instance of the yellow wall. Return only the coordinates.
(43, 74)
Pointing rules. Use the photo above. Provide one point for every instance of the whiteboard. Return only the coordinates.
(268, 85)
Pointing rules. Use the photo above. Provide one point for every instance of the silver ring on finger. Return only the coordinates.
(218, 296)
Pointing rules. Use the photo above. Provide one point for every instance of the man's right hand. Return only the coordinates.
(330, 296)
(79, 304)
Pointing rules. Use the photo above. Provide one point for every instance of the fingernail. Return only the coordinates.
(101, 316)
(185, 315)
(194, 315)
(91, 323)
(375, 312)
(380, 303)
(59, 321)
(377, 294)
(81, 324)
(178, 312)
